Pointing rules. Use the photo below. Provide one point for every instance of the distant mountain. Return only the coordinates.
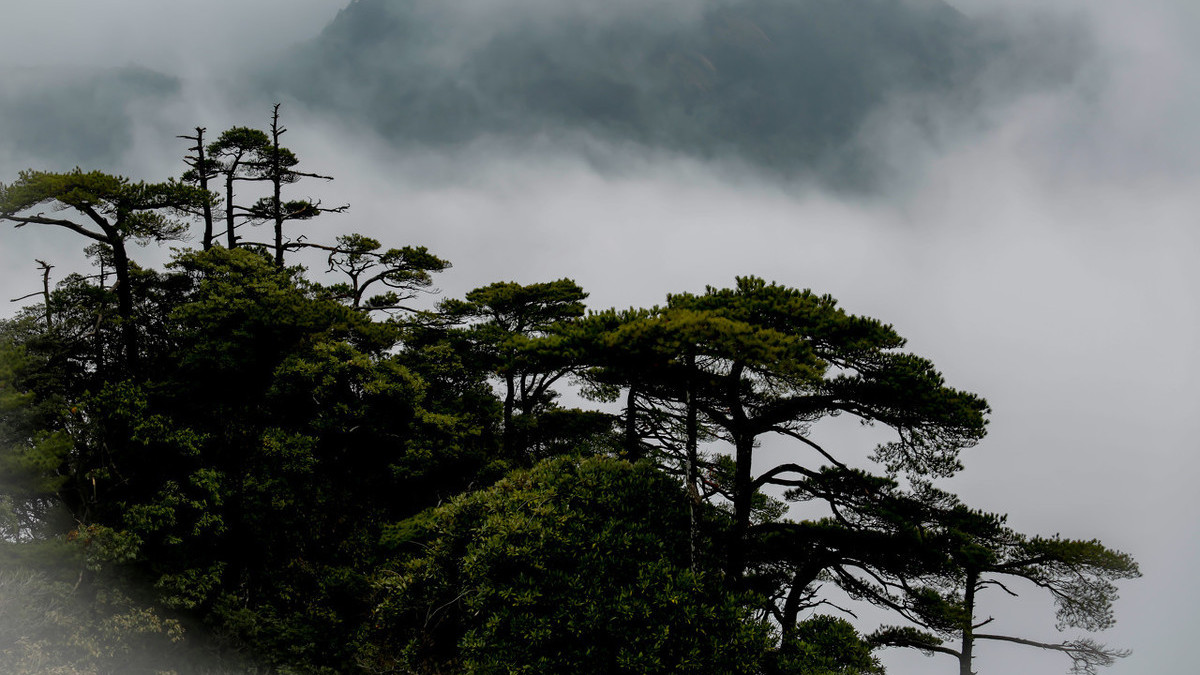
(786, 85)
(61, 117)
(781, 83)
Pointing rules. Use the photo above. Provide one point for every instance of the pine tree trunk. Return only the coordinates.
(125, 301)
(742, 499)
(202, 178)
(276, 184)
(509, 400)
(230, 237)
(46, 294)
(742, 481)
(633, 446)
(791, 606)
(968, 637)
(692, 459)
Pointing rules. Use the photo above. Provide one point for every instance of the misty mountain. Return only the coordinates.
(781, 83)
(785, 85)
(62, 117)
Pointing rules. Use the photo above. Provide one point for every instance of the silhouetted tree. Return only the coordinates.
(201, 169)
(111, 210)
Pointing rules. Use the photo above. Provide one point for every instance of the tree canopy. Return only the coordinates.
(296, 473)
(111, 210)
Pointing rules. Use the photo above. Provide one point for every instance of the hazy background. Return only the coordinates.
(1023, 209)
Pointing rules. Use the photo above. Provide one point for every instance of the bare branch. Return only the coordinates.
(41, 219)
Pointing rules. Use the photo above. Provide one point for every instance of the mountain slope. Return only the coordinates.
(782, 83)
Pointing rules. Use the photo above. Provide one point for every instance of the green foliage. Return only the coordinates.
(34, 450)
(48, 629)
(1079, 575)
(571, 566)
(110, 210)
(804, 358)
(512, 309)
(401, 272)
(241, 149)
(741, 363)
(511, 332)
(826, 645)
(134, 209)
(970, 551)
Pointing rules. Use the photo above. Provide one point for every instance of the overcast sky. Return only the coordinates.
(1046, 262)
